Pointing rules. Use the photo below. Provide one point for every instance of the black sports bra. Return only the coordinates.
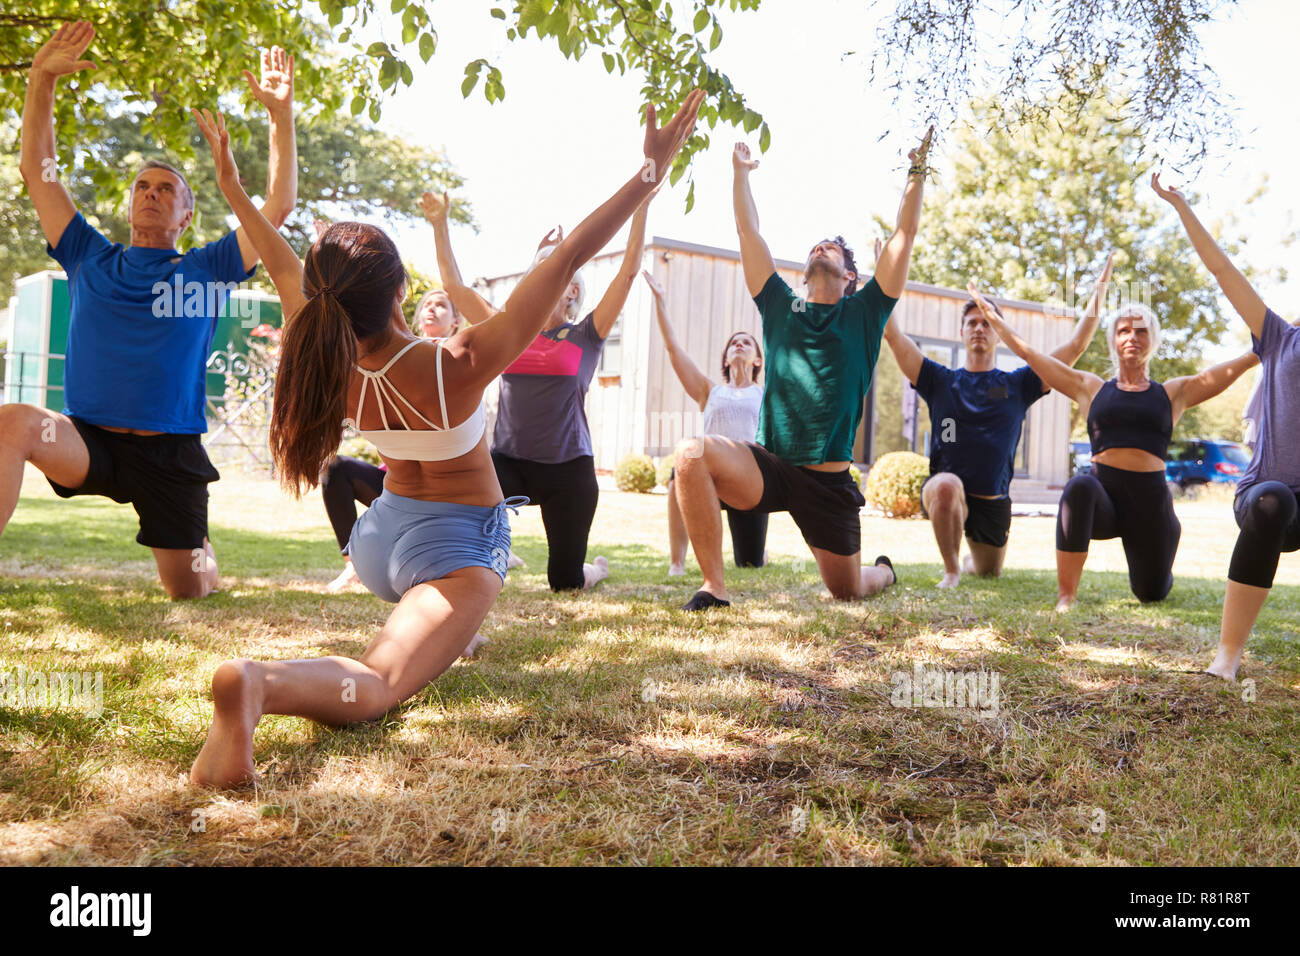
(1121, 419)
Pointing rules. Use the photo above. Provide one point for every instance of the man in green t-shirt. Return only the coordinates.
(821, 353)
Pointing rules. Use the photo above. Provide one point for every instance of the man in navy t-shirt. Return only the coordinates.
(140, 332)
(976, 415)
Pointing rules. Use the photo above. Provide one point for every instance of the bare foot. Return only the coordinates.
(950, 579)
(1225, 666)
(347, 576)
(968, 564)
(477, 641)
(676, 570)
(514, 561)
(226, 759)
(596, 571)
(1064, 603)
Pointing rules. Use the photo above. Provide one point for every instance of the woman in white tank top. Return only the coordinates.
(425, 543)
(730, 410)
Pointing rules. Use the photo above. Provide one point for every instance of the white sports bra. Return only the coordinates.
(411, 444)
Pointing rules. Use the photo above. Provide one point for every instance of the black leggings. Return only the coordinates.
(1134, 506)
(567, 494)
(343, 483)
(748, 536)
(1269, 517)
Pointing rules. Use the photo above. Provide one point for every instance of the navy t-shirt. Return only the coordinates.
(141, 328)
(975, 422)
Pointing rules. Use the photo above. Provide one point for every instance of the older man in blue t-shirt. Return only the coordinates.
(976, 415)
(141, 328)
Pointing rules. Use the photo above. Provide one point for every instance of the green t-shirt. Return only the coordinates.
(820, 359)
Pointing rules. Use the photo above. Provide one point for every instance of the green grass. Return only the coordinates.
(610, 727)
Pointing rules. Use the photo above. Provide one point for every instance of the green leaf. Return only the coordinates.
(690, 196)
(397, 5)
(764, 139)
(609, 62)
(498, 13)
(409, 32)
(377, 48)
(358, 104)
(428, 43)
(701, 20)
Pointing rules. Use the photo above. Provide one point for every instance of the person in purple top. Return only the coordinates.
(541, 445)
(140, 332)
(1266, 505)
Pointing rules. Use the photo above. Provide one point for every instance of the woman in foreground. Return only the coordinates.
(435, 541)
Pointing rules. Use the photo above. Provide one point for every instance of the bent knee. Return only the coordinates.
(22, 427)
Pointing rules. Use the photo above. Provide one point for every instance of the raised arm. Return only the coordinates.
(906, 353)
(611, 303)
(755, 257)
(1238, 290)
(468, 303)
(1074, 384)
(1072, 350)
(59, 56)
(275, 92)
(492, 345)
(894, 259)
(1190, 390)
(282, 263)
(695, 382)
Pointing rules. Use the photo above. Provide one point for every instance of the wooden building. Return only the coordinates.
(636, 403)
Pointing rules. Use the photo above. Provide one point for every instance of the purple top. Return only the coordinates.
(541, 414)
(1277, 404)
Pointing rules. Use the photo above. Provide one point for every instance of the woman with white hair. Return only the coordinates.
(1130, 421)
(541, 444)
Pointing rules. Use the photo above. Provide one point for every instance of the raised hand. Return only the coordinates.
(552, 238)
(662, 144)
(984, 307)
(320, 225)
(1106, 269)
(275, 90)
(656, 287)
(917, 157)
(61, 53)
(218, 137)
(1172, 195)
(740, 158)
(435, 207)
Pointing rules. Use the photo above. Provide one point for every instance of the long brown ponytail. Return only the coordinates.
(352, 276)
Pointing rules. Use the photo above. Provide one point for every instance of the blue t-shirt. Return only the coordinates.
(1277, 452)
(975, 422)
(141, 328)
(542, 412)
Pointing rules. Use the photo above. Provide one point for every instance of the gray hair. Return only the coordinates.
(159, 164)
(1133, 310)
(574, 308)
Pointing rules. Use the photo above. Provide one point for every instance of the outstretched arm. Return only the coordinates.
(468, 303)
(1080, 386)
(611, 303)
(281, 261)
(494, 344)
(59, 56)
(906, 353)
(1239, 291)
(275, 92)
(893, 261)
(1072, 350)
(695, 382)
(755, 257)
(1190, 390)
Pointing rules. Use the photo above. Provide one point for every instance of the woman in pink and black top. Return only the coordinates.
(541, 445)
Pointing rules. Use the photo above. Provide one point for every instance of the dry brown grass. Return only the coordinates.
(611, 728)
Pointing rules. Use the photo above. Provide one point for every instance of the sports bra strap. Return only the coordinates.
(442, 397)
(386, 389)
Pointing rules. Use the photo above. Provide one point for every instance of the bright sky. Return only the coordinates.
(567, 135)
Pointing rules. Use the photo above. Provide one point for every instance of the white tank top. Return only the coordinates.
(733, 412)
(440, 443)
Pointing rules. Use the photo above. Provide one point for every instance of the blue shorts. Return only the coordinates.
(401, 542)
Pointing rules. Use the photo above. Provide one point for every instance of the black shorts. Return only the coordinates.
(165, 477)
(823, 504)
(988, 520)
